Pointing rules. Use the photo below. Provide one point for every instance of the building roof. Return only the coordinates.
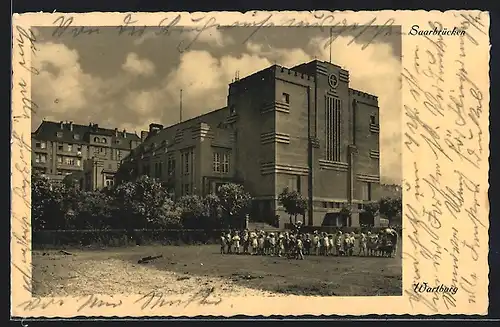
(47, 131)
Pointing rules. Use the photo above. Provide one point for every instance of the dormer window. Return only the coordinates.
(232, 109)
(96, 139)
(76, 136)
(104, 141)
(59, 134)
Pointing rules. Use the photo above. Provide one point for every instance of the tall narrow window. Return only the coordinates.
(216, 163)
(333, 124)
(171, 165)
(225, 163)
(366, 191)
(286, 98)
(187, 162)
(354, 113)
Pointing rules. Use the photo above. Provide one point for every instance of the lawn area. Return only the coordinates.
(186, 268)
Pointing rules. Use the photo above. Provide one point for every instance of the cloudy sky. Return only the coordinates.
(130, 81)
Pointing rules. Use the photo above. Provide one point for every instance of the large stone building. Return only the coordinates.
(89, 154)
(303, 128)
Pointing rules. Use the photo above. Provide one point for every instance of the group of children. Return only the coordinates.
(296, 244)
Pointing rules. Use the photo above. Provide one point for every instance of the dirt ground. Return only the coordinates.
(185, 268)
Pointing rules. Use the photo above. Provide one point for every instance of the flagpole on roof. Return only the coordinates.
(331, 41)
(180, 107)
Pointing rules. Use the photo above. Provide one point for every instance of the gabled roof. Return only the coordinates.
(47, 131)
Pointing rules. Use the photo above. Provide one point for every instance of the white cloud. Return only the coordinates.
(137, 66)
(65, 91)
(61, 84)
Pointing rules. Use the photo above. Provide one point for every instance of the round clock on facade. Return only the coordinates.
(333, 81)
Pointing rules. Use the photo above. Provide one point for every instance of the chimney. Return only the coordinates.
(144, 135)
(116, 132)
(153, 128)
(124, 133)
(71, 126)
(61, 124)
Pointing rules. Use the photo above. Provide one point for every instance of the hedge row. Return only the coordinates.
(120, 237)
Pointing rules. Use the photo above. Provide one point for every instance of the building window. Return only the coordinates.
(293, 183)
(372, 119)
(60, 146)
(366, 191)
(221, 162)
(104, 141)
(109, 181)
(187, 162)
(40, 158)
(38, 145)
(226, 157)
(59, 159)
(286, 98)
(69, 161)
(76, 136)
(102, 150)
(96, 139)
(216, 163)
(171, 165)
(186, 189)
(157, 170)
(333, 125)
(78, 162)
(79, 148)
(70, 148)
(59, 134)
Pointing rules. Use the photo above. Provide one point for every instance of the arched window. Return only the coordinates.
(104, 140)
(96, 139)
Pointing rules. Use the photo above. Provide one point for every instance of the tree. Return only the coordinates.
(93, 210)
(192, 211)
(345, 214)
(50, 203)
(294, 203)
(213, 210)
(371, 210)
(234, 203)
(143, 203)
(391, 207)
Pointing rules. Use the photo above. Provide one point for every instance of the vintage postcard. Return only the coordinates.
(259, 163)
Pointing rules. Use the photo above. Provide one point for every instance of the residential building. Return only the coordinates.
(62, 148)
(303, 128)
